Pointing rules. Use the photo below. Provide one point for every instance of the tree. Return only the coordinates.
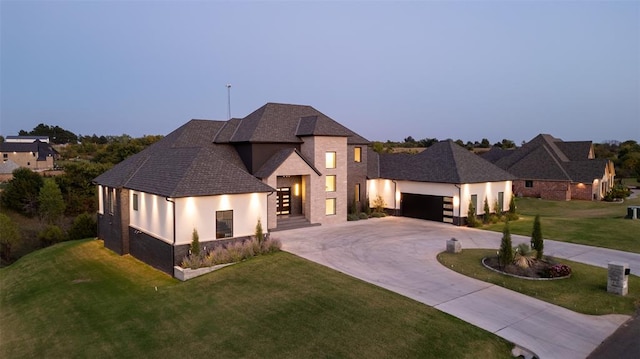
(195, 243)
(537, 242)
(512, 215)
(21, 193)
(485, 143)
(506, 248)
(56, 134)
(259, 234)
(487, 211)
(78, 191)
(84, 226)
(472, 221)
(50, 203)
(9, 236)
(52, 234)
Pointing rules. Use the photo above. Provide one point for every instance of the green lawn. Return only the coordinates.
(77, 299)
(594, 223)
(585, 291)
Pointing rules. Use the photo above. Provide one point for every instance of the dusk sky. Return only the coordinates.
(387, 70)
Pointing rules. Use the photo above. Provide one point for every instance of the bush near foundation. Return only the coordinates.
(231, 253)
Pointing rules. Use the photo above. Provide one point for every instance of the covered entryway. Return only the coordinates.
(423, 206)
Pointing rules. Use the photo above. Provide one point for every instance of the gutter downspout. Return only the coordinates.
(459, 204)
(270, 193)
(173, 247)
(395, 204)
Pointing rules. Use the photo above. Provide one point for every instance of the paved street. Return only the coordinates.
(399, 254)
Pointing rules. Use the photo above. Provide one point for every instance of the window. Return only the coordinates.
(135, 201)
(224, 224)
(331, 183)
(500, 202)
(5, 156)
(528, 184)
(357, 193)
(474, 201)
(330, 206)
(330, 160)
(357, 154)
(109, 203)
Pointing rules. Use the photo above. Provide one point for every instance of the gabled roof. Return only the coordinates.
(8, 166)
(495, 153)
(278, 159)
(43, 149)
(444, 162)
(548, 158)
(286, 123)
(185, 163)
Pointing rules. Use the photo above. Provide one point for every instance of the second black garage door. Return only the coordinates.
(422, 206)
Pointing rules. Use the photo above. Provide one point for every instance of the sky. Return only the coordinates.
(387, 70)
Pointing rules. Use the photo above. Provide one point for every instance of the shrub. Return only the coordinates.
(559, 270)
(497, 208)
(378, 214)
(363, 215)
(51, 234)
(271, 246)
(195, 243)
(379, 204)
(366, 208)
(50, 203)
(21, 192)
(84, 226)
(9, 236)
(493, 218)
(618, 191)
(234, 252)
(353, 209)
(522, 256)
(352, 217)
(537, 242)
(472, 221)
(506, 250)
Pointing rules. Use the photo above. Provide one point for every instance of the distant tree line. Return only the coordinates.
(410, 142)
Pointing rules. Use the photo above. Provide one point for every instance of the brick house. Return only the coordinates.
(549, 168)
(278, 164)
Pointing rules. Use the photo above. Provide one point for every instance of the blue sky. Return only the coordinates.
(445, 69)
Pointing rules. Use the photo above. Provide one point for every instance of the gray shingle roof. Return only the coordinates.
(277, 159)
(548, 158)
(285, 123)
(185, 163)
(444, 162)
(43, 149)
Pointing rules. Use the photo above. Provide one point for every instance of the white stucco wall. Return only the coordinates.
(155, 215)
(391, 191)
(100, 200)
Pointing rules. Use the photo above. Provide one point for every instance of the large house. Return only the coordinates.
(439, 183)
(279, 163)
(221, 177)
(549, 168)
(33, 152)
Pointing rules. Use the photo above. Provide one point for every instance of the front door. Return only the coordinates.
(283, 200)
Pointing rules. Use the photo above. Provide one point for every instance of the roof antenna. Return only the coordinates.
(229, 101)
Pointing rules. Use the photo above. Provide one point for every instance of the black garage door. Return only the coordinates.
(422, 206)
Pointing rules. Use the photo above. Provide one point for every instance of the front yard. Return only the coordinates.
(593, 223)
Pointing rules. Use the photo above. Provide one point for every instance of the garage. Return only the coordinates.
(423, 206)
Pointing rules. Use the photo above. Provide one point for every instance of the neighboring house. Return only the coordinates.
(31, 152)
(549, 168)
(438, 183)
(221, 177)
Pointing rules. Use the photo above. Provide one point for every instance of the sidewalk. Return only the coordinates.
(399, 254)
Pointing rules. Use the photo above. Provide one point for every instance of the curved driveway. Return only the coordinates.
(399, 254)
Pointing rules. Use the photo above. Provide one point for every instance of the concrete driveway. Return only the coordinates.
(399, 254)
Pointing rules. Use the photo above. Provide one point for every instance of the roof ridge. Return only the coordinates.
(455, 160)
(557, 162)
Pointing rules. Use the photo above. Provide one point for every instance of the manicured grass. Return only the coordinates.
(77, 299)
(594, 223)
(585, 291)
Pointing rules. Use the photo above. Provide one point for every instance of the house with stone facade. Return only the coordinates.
(279, 164)
(438, 184)
(550, 168)
(32, 152)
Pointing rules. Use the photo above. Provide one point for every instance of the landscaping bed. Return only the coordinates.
(536, 269)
